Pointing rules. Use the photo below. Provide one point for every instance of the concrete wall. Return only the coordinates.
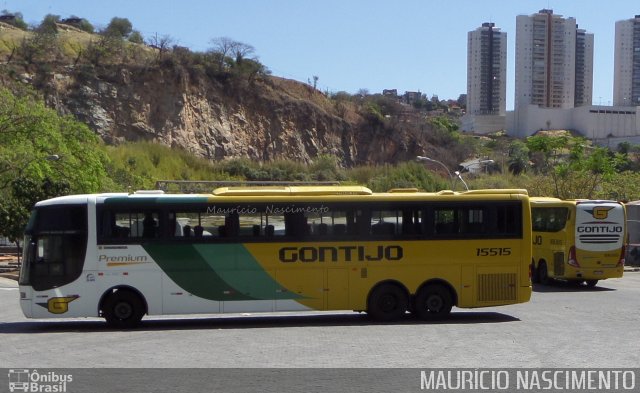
(594, 121)
(479, 124)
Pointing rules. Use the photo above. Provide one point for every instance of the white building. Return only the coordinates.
(554, 83)
(607, 125)
(626, 76)
(486, 79)
(554, 62)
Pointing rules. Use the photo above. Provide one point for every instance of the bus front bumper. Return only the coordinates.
(26, 302)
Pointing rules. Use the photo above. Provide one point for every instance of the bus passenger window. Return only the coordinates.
(323, 229)
(232, 225)
(339, 229)
(472, 221)
(150, 225)
(445, 221)
(295, 224)
(385, 222)
(269, 230)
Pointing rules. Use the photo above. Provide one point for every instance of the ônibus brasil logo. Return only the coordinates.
(24, 380)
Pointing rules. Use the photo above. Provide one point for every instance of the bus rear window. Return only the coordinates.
(549, 219)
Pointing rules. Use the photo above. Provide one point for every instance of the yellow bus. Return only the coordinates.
(267, 249)
(577, 240)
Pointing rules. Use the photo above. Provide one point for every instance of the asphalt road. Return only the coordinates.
(563, 326)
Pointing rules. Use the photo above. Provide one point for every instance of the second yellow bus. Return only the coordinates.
(577, 240)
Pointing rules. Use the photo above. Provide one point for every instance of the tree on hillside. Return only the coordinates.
(242, 51)
(161, 43)
(230, 51)
(14, 19)
(118, 27)
(136, 37)
(518, 157)
(223, 46)
(42, 155)
(49, 24)
(574, 168)
(43, 46)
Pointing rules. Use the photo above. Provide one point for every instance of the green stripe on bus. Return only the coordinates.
(216, 272)
(242, 271)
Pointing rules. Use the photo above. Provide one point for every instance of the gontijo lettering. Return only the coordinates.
(341, 253)
(599, 229)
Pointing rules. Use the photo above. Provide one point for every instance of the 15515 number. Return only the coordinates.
(493, 252)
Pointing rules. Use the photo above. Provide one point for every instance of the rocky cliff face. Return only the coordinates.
(264, 120)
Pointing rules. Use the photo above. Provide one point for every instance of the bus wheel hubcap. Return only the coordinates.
(123, 310)
(434, 303)
(388, 303)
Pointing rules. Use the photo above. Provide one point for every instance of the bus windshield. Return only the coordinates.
(54, 246)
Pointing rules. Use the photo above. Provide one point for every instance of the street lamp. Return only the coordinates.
(452, 179)
(459, 176)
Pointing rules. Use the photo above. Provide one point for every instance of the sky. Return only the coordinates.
(350, 45)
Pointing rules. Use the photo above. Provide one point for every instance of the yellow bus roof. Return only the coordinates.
(347, 190)
(292, 190)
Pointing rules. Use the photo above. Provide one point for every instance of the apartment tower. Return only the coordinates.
(554, 62)
(486, 71)
(626, 76)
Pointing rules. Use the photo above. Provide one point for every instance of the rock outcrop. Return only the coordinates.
(270, 118)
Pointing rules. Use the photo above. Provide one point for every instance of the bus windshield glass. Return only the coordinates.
(54, 246)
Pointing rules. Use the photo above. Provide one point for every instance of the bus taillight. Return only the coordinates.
(573, 260)
(622, 256)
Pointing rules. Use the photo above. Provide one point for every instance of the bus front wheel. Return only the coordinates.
(387, 302)
(433, 302)
(123, 309)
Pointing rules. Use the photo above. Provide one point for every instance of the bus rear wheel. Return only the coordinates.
(433, 302)
(543, 274)
(387, 302)
(123, 309)
(592, 283)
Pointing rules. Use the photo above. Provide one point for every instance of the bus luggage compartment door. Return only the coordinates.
(558, 264)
